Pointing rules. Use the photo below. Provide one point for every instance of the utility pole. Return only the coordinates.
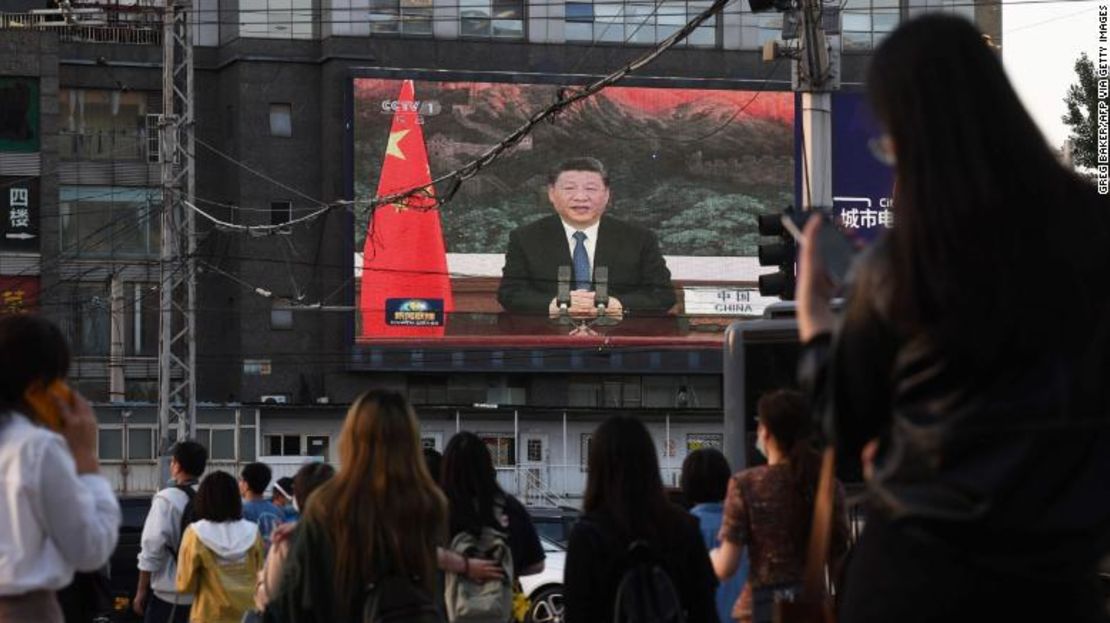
(177, 326)
(816, 76)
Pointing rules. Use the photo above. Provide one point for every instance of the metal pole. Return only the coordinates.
(667, 445)
(565, 468)
(516, 448)
(817, 130)
(458, 422)
(816, 82)
(167, 144)
(186, 127)
(116, 385)
(177, 325)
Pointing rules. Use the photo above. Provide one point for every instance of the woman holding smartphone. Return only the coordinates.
(58, 514)
(974, 348)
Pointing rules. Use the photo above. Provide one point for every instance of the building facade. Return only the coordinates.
(272, 79)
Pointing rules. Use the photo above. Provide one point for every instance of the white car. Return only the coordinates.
(545, 589)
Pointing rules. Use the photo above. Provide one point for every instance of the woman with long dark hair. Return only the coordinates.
(625, 504)
(477, 502)
(380, 516)
(974, 348)
(769, 510)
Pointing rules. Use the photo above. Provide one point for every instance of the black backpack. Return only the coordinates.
(399, 599)
(646, 593)
(188, 515)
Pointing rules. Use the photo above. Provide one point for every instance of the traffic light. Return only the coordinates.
(782, 253)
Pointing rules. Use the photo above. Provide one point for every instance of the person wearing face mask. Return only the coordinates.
(769, 510)
(284, 499)
(307, 480)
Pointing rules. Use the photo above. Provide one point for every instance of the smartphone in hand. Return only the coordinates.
(45, 409)
(834, 248)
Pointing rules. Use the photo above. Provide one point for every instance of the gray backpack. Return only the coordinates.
(489, 602)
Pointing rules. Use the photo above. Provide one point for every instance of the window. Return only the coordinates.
(492, 18)
(317, 445)
(621, 391)
(427, 390)
(281, 319)
(639, 22)
(140, 443)
(282, 445)
(276, 19)
(141, 390)
(502, 448)
(534, 449)
(955, 7)
(864, 23)
(98, 124)
(466, 389)
(222, 446)
(281, 120)
(761, 28)
(110, 444)
(141, 304)
(291, 445)
(86, 317)
(407, 17)
(583, 392)
(153, 138)
(19, 108)
(220, 442)
(246, 444)
(700, 391)
(110, 221)
(281, 212)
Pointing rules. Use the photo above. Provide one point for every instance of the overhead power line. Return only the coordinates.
(567, 97)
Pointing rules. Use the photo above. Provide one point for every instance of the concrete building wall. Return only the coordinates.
(34, 55)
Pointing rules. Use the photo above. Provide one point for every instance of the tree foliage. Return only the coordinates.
(1082, 117)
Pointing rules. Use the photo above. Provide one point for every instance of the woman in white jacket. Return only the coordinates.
(58, 515)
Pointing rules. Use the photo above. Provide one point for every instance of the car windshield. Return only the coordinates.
(550, 546)
(551, 529)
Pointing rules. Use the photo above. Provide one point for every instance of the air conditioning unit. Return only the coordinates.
(275, 399)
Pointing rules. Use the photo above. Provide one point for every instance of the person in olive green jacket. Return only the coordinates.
(220, 554)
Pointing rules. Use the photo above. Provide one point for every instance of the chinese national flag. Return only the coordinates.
(406, 291)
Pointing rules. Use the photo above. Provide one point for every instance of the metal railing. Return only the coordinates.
(85, 28)
(543, 484)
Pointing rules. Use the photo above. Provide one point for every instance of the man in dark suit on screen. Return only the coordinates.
(580, 236)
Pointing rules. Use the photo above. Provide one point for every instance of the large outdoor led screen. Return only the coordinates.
(647, 233)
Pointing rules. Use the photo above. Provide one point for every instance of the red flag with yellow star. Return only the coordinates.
(406, 291)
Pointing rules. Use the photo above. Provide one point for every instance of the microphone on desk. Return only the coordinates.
(562, 295)
(601, 295)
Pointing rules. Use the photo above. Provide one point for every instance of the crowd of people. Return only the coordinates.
(978, 415)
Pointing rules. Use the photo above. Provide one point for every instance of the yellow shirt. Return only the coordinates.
(224, 586)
